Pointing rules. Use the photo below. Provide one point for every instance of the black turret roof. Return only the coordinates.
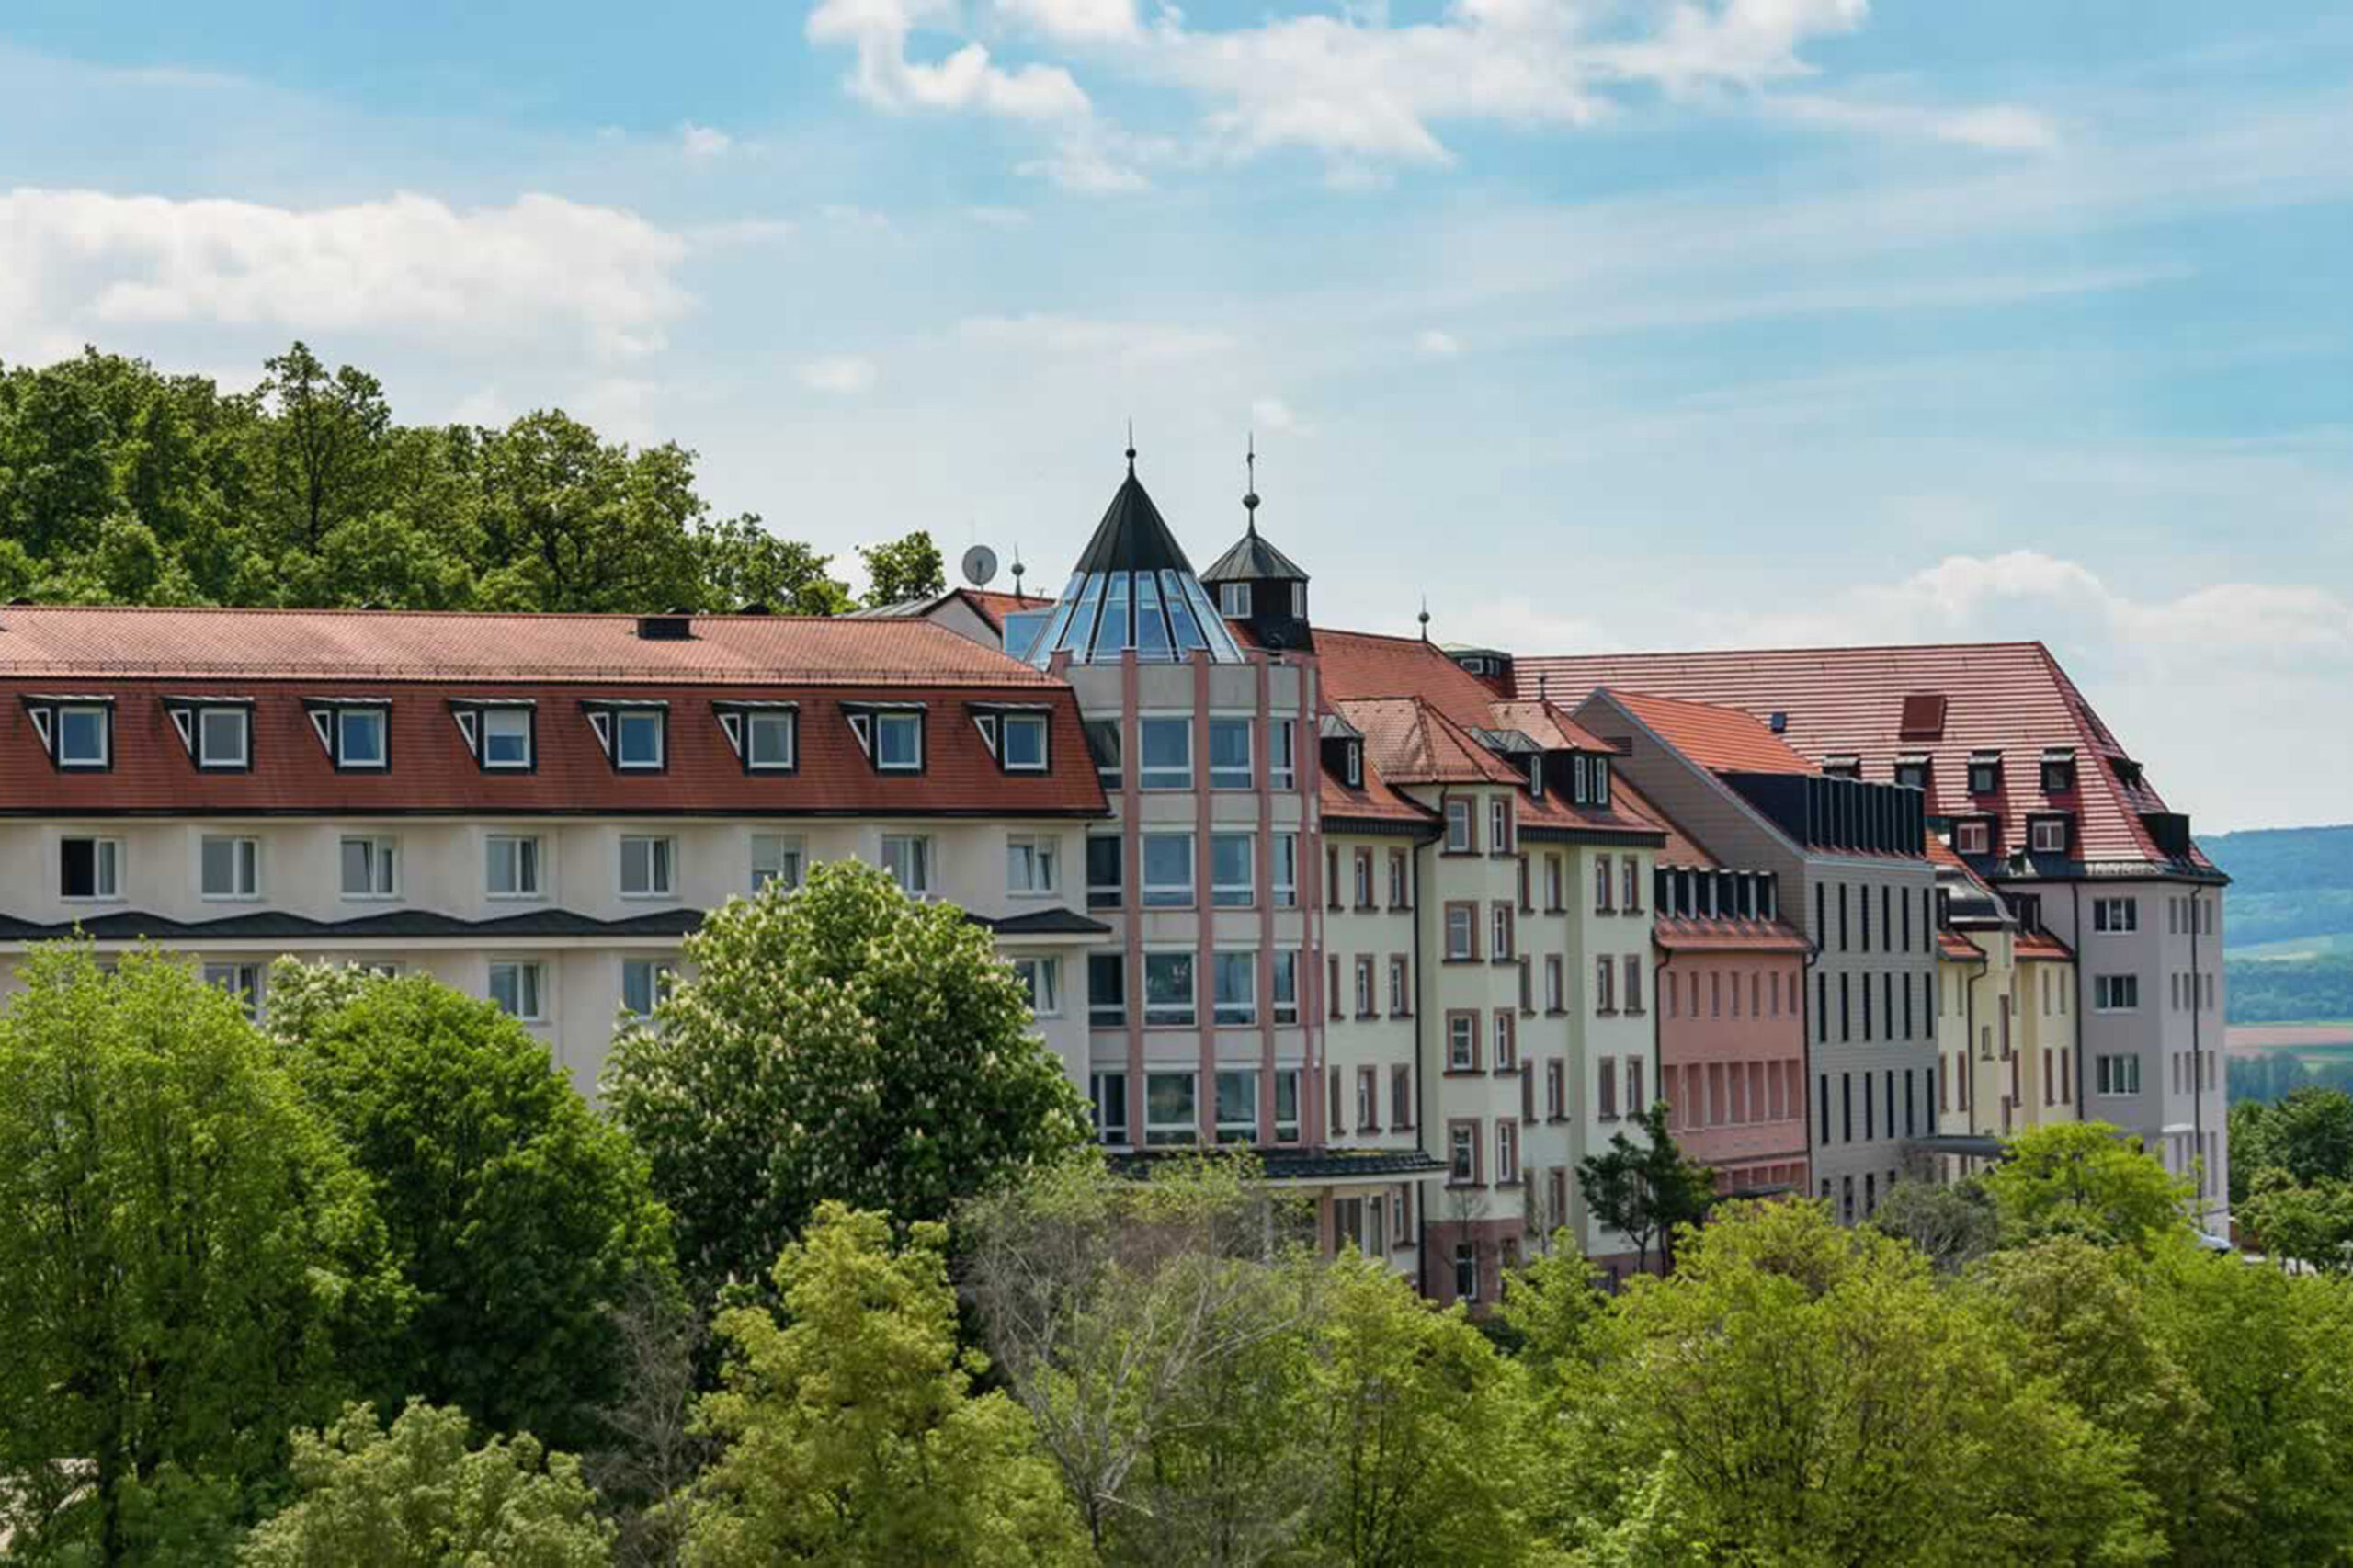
(1252, 559)
(1131, 537)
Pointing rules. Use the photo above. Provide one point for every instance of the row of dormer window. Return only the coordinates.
(502, 734)
(1983, 770)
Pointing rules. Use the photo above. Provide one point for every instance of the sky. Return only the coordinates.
(1598, 324)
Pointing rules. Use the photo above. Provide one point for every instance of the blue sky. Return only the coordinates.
(1603, 323)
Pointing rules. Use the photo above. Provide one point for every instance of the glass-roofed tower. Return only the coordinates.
(1206, 1001)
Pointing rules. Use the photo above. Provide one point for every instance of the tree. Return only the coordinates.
(1953, 1223)
(646, 1477)
(418, 1497)
(323, 440)
(840, 1041)
(746, 565)
(852, 1434)
(580, 524)
(522, 1219)
(2307, 1224)
(2307, 1136)
(2083, 1177)
(1644, 1190)
(908, 568)
(190, 1258)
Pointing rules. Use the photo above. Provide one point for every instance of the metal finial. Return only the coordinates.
(1018, 570)
(1131, 448)
(1425, 617)
(1250, 490)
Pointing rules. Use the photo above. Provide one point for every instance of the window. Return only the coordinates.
(89, 867)
(1984, 774)
(907, 857)
(1401, 1098)
(1401, 1000)
(644, 982)
(243, 980)
(359, 738)
(1368, 1106)
(231, 867)
(1463, 1043)
(1233, 599)
(1286, 1105)
(1105, 880)
(1400, 886)
(647, 866)
(1602, 884)
(1462, 1152)
(1631, 885)
(1506, 1042)
(1352, 763)
(2116, 1074)
(638, 739)
(1103, 744)
(1466, 1271)
(2116, 992)
(1912, 772)
(1109, 1092)
(1499, 825)
(1234, 979)
(1605, 986)
(1284, 893)
(1361, 865)
(1553, 891)
(1237, 1105)
(2113, 917)
(1500, 933)
(1553, 976)
(1169, 989)
(1285, 965)
(85, 734)
(1031, 861)
(1042, 979)
(1556, 1079)
(1606, 1098)
(1233, 867)
(1229, 754)
(2058, 775)
(1169, 1112)
(2047, 836)
(1107, 990)
(1167, 748)
(776, 858)
(1974, 836)
(1462, 933)
(1459, 836)
(1364, 986)
(223, 737)
(505, 737)
(1021, 744)
(1634, 990)
(771, 740)
(371, 868)
(516, 988)
(512, 866)
(1282, 754)
(1167, 870)
(1507, 1151)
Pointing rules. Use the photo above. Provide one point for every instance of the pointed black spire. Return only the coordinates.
(1250, 489)
(1131, 448)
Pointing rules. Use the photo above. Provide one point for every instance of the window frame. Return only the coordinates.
(59, 713)
(1037, 969)
(484, 720)
(1171, 1015)
(1225, 894)
(200, 718)
(379, 851)
(792, 853)
(1164, 777)
(1044, 856)
(1222, 775)
(660, 972)
(925, 861)
(1038, 725)
(1190, 887)
(1224, 964)
(530, 849)
(339, 718)
(1179, 1133)
(660, 866)
(107, 855)
(245, 864)
(531, 970)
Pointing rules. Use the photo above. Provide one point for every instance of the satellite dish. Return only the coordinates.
(980, 565)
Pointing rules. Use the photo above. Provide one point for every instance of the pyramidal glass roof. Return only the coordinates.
(1133, 588)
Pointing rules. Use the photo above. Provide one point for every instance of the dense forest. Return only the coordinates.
(119, 483)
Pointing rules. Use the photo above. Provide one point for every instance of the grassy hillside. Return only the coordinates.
(2288, 920)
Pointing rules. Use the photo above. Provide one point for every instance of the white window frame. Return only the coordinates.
(1106, 1087)
(1227, 895)
(1226, 964)
(1171, 1015)
(1284, 871)
(2113, 917)
(205, 715)
(1506, 1151)
(776, 720)
(1233, 600)
(789, 854)
(1167, 774)
(99, 712)
(105, 869)
(2107, 988)
(1283, 985)
(243, 980)
(381, 866)
(528, 854)
(1166, 897)
(1463, 1043)
(1282, 754)
(1027, 723)
(1105, 1011)
(1169, 1133)
(529, 987)
(624, 721)
(1463, 1155)
(1499, 824)
(1461, 827)
(371, 714)
(660, 855)
(1032, 865)
(2037, 830)
(904, 853)
(506, 724)
(906, 722)
(1227, 726)
(659, 974)
(1468, 949)
(1041, 977)
(245, 868)
(1976, 828)
(2117, 1077)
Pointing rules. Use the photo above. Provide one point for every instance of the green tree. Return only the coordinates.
(323, 443)
(418, 1497)
(2083, 1177)
(746, 565)
(1953, 1223)
(1643, 1191)
(908, 568)
(523, 1219)
(852, 1432)
(2307, 1136)
(841, 1042)
(189, 1256)
(2301, 1224)
(575, 523)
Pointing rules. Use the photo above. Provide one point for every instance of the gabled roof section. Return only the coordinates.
(1413, 743)
(1721, 740)
(1252, 559)
(1682, 851)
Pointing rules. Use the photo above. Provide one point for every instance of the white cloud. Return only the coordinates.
(703, 140)
(1437, 345)
(1989, 128)
(840, 375)
(885, 78)
(1074, 20)
(84, 259)
(1273, 414)
(1128, 342)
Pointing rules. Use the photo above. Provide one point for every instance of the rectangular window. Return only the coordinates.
(1401, 1000)
(83, 734)
(1507, 1151)
(1364, 987)
(1103, 744)
(1974, 836)
(1235, 977)
(1031, 862)
(1606, 1097)
(1401, 1098)
(644, 982)
(1463, 1043)
(1552, 890)
(1042, 979)
(512, 866)
(1285, 871)
(1499, 825)
(89, 867)
(777, 857)
(1285, 965)
(1170, 1113)
(359, 737)
(505, 737)
(1169, 989)
(1462, 933)
(1286, 1105)
(1107, 990)
(771, 740)
(1460, 838)
(1605, 984)
(1462, 1152)
(1556, 1079)
(907, 857)
(2114, 916)
(1167, 753)
(371, 868)
(516, 988)
(1466, 1271)
(1630, 893)
(1632, 998)
(898, 742)
(1234, 869)
(1229, 754)
(243, 980)
(1282, 754)
(2116, 1074)
(2116, 992)
(1105, 880)
(1554, 1001)
(1361, 865)
(231, 867)
(223, 737)
(1368, 1106)
(1167, 870)
(1500, 933)
(1506, 1042)
(1602, 884)
(2048, 835)
(1109, 1092)
(1021, 742)
(637, 739)
(1233, 599)
(1401, 895)
(647, 867)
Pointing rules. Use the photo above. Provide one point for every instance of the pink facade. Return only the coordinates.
(1731, 1058)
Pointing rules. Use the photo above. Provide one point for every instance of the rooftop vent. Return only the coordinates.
(1778, 723)
(675, 627)
(1924, 717)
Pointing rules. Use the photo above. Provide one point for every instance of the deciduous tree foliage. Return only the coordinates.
(2084, 1178)
(1644, 1189)
(852, 1434)
(521, 1218)
(840, 1041)
(418, 1497)
(187, 1260)
(905, 569)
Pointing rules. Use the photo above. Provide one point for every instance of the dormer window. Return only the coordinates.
(634, 733)
(499, 732)
(1017, 738)
(1912, 769)
(1233, 600)
(217, 732)
(78, 731)
(765, 736)
(2046, 834)
(1536, 776)
(1985, 773)
(352, 731)
(2058, 770)
(1974, 836)
(891, 737)
(1843, 766)
(1352, 763)
(1581, 780)
(1600, 780)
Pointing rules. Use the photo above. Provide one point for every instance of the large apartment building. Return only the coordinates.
(2045, 804)
(2005, 1019)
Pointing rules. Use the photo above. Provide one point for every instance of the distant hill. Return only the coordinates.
(2288, 921)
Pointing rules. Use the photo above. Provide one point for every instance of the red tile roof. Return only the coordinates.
(2011, 697)
(1699, 933)
(1721, 740)
(1681, 850)
(993, 608)
(2041, 944)
(51, 641)
(1953, 945)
